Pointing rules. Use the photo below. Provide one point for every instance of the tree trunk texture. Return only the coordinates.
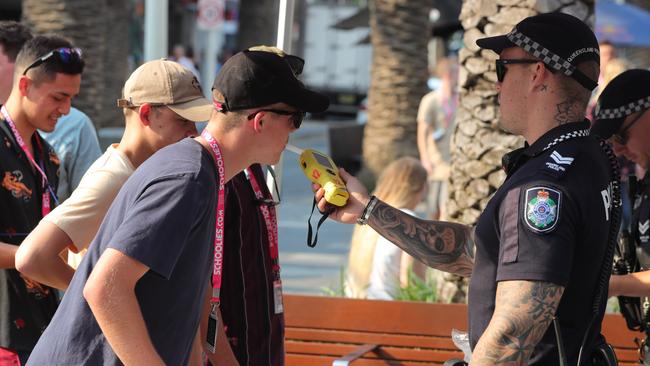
(258, 23)
(99, 28)
(399, 34)
(477, 143)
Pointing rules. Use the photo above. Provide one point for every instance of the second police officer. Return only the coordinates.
(622, 117)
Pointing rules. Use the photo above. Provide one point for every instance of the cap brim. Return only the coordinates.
(605, 128)
(496, 44)
(197, 110)
(308, 101)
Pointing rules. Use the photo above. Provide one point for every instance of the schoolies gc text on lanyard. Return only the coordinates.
(217, 265)
(270, 219)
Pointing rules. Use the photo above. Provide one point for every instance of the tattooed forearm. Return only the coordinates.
(443, 245)
(523, 312)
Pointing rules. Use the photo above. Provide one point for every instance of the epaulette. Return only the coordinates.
(559, 159)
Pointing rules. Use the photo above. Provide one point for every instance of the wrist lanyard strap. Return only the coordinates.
(220, 217)
(270, 219)
(45, 184)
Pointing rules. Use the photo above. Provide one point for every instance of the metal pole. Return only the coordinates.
(156, 18)
(285, 25)
(283, 42)
(214, 42)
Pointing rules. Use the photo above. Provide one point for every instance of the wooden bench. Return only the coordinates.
(320, 330)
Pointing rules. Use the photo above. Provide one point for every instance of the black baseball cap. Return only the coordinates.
(261, 76)
(626, 94)
(561, 41)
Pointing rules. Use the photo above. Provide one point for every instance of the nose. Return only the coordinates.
(64, 107)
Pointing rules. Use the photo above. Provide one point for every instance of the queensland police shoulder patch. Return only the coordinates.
(542, 208)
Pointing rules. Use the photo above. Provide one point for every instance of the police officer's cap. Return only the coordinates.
(559, 40)
(626, 94)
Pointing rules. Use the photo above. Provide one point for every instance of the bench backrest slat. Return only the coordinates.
(374, 316)
(321, 329)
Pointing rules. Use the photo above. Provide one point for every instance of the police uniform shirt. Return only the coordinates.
(641, 221)
(548, 222)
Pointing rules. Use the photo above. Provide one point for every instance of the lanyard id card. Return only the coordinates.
(213, 326)
(277, 296)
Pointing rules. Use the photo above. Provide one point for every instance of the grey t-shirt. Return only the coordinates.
(164, 217)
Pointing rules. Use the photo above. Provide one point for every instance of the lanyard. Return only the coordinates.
(220, 217)
(45, 203)
(270, 219)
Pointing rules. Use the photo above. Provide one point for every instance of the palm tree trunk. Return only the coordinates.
(477, 144)
(89, 25)
(399, 35)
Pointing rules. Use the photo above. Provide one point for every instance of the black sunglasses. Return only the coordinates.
(64, 54)
(296, 116)
(501, 65)
(621, 136)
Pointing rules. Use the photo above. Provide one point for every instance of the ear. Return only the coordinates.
(258, 122)
(144, 111)
(23, 84)
(540, 76)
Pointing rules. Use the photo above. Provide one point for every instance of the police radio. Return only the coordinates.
(319, 168)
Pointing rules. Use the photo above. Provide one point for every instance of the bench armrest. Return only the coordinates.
(354, 355)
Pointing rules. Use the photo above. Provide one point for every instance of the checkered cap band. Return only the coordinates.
(567, 136)
(544, 54)
(625, 110)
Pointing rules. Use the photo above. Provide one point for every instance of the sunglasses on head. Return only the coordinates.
(64, 54)
(296, 117)
(621, 136)
(501, 65)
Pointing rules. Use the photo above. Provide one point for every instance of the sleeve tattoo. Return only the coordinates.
(523, 312)
(442, 245)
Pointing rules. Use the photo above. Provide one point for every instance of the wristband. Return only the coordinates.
(365, 215)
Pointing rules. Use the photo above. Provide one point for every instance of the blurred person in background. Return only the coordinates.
(436, 122)
(376, 267)
(183, 56)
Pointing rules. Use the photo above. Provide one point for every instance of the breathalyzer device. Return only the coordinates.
(319, 168)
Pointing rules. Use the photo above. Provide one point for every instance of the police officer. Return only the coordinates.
(622, 116)
(541, 241)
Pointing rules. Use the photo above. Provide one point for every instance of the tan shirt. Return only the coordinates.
(80, 215)
(439, 114)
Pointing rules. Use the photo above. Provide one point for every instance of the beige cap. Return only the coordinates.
(164, 82)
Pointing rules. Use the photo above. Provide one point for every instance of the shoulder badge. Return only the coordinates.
(542, 208)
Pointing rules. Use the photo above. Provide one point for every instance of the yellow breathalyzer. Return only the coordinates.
(319, 168)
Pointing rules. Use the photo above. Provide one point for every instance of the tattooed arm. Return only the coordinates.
(523, 311)
(443, 245)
